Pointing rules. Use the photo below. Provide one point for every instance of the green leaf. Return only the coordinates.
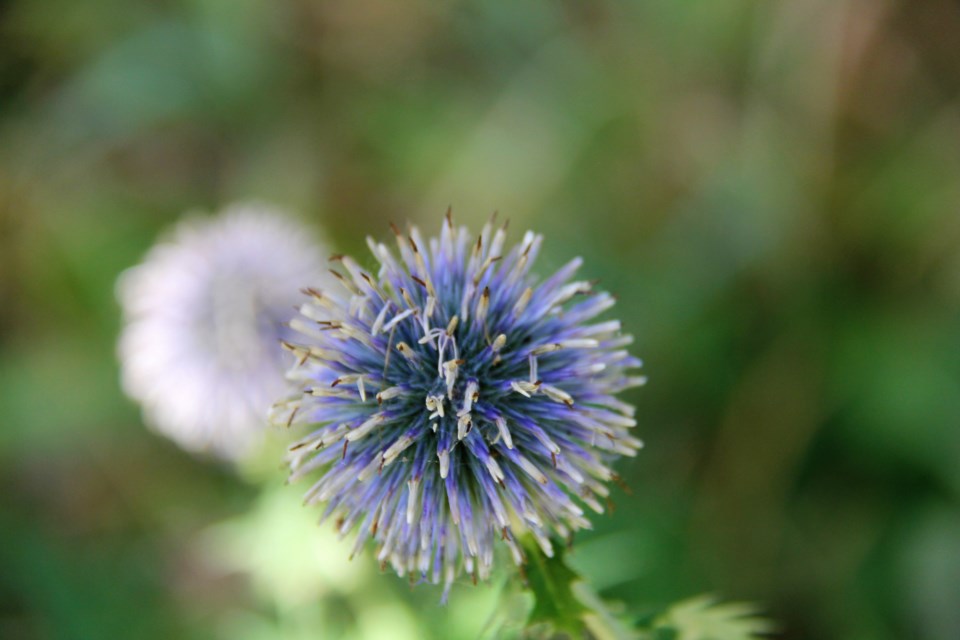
(601, 620)
(564, 605)
(551, 581)
(702, 618)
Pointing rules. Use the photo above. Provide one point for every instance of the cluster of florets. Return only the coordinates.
(453, 401)
(203, 314)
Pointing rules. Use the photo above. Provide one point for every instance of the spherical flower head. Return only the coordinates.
(203, 319)
(455, 400)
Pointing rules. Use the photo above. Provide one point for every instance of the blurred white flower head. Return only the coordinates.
(204, 314)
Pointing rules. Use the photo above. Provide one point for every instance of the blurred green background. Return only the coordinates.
(771, 187)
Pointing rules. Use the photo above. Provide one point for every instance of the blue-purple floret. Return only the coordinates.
(453, 401)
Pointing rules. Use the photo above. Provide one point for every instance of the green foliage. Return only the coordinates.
(565, 606)
(703, 618)
(555, 605)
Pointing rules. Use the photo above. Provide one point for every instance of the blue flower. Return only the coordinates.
(454, 400)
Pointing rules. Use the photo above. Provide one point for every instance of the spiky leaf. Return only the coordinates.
(703, 618)
(551, 582)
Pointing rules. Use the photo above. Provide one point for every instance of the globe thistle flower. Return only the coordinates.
(454, 400)
(203, 319)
